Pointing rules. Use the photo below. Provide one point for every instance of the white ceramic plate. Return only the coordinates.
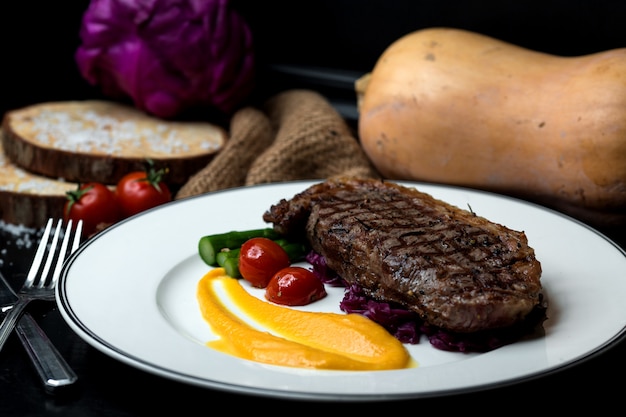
(130, 292)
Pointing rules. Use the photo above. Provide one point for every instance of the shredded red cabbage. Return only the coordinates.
(408, 327)
(400, 322)
(322, 271)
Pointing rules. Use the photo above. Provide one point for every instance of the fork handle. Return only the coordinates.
(54, 371)
(10, 320)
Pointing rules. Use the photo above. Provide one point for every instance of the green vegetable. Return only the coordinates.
(209, 246)
(223, 249)
(228, 258)
(295, 250)
(231, 264)
(225, 254)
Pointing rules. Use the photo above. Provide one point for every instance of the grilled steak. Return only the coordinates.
(458, 271)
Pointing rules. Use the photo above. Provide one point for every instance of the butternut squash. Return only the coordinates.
(450, 106)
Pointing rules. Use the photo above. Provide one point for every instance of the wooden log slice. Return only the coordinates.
(82, 141)
(27, 198)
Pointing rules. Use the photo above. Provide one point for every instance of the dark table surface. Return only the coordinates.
(107, 387)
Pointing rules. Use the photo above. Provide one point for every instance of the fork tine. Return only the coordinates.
(53, 249)
(66, 238)
(41, 249)
(77, 234)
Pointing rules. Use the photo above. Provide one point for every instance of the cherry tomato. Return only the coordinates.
(294, 286)
(93, 203)
(140, 190)
(259, 259)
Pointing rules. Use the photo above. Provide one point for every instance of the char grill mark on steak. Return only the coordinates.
(457, 270)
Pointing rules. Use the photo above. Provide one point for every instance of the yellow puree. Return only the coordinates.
(307, 339)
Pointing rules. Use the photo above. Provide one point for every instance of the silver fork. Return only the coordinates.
(55, 373)
(40, 282)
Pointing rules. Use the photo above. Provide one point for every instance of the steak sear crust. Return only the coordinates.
(458, 271)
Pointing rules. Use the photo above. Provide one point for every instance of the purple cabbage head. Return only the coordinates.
(168, 55)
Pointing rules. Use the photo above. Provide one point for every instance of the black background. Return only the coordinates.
(39, 37)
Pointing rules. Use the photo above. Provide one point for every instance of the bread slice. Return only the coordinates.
(96, 140)
(27, 198)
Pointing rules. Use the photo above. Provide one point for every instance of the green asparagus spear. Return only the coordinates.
(223, 249)
(228, 258)
(225, 254)
(209, 246)
(231, 267)
(295, 250)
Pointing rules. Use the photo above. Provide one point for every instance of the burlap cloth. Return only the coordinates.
(296, 135)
